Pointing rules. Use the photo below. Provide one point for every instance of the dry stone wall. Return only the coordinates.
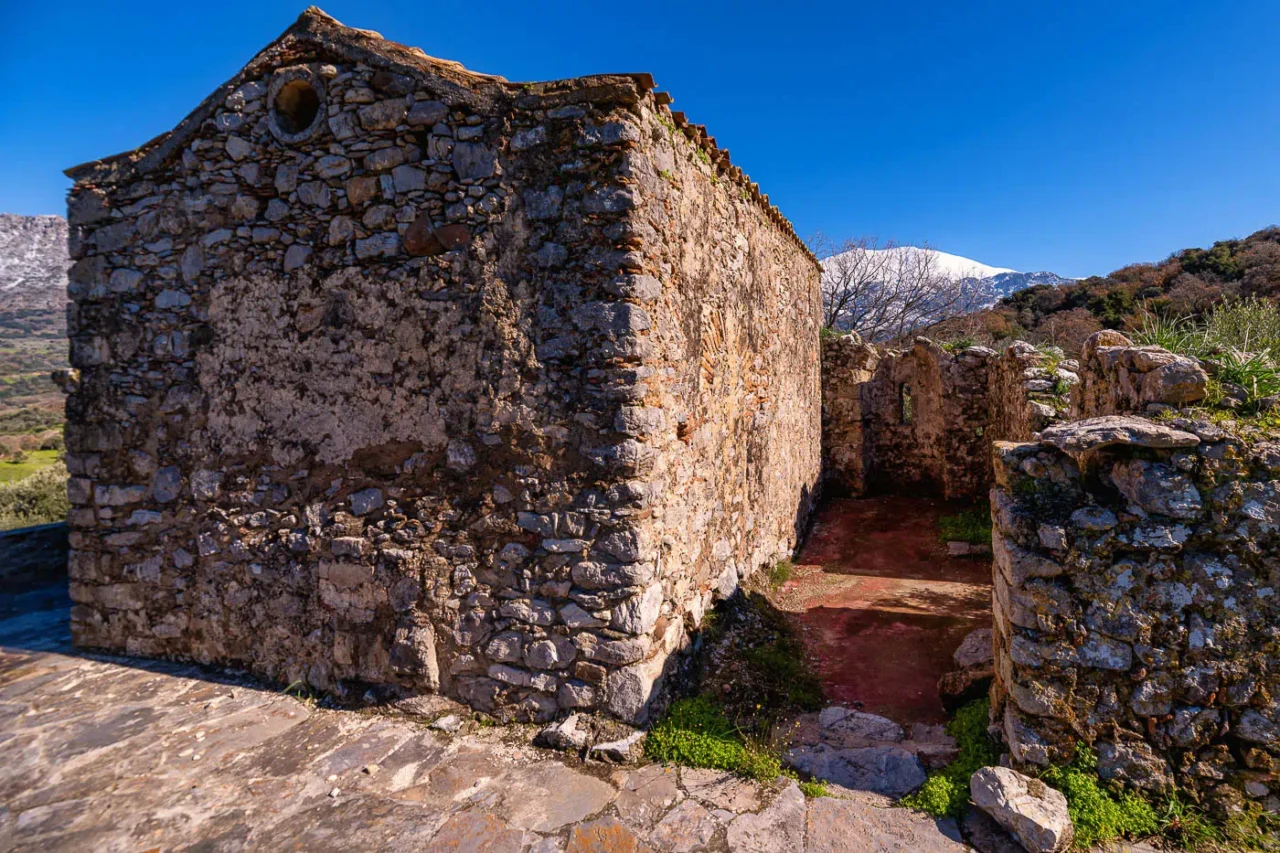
(1120, 378)
(446, 391)
(921, 420)
(1136, 606)
(847, 366)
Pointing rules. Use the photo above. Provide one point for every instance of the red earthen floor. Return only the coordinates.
(881, 606)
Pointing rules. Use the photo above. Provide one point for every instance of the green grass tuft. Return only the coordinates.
(958, 345)
(814, 789)
(1098, 814)
(696, 733)
(779, 573)
(972, 526)
(946, 792)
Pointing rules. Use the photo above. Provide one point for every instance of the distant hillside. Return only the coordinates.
(33, 326)
(1186, 283)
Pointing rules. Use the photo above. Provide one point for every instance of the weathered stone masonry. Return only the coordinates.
(922, 420)
(460, 385)
(1136, 607)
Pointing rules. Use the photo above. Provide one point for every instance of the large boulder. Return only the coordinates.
(1177, 383)
(1035, 814)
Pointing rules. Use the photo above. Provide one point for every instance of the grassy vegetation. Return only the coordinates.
(813, 790)
(958, 345)
(1238, 339)
(1098, 814)
(749, 675)
(40, 498)
(696, 733)
(946, 792)
(25, 464)
(972, 526)
(779, 573)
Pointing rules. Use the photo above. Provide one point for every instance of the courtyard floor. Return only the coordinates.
(881, 606)
(120, 754)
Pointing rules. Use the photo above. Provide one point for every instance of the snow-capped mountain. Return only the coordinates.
(33, 274)
(1007, 283)
(886, 292)
(944, 263)
(999, 282)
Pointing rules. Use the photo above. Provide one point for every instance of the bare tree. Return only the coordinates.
(883, 290)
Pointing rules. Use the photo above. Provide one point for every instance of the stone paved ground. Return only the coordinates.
(118, 754)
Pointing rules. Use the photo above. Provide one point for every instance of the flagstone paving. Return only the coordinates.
(119, 754)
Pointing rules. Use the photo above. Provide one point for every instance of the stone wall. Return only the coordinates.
(921, 420)
(1136, 606)
(1027, 391)
(447, 391)
(1119, 378)
(847, 365)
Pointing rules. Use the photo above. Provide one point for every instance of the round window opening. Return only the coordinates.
(296, 106)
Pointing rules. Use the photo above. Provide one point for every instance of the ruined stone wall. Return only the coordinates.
(724, 422)
(923, 419)
(1136, 607)
(925, 414)
(1120, 378)
(847, 365)
(1028, 392)
(406, 402)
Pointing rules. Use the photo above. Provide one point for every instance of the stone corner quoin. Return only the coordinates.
(394, 374)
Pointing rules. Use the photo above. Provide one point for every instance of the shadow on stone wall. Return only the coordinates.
(32, 557)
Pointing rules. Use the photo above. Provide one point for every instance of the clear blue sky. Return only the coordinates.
(1069, 136)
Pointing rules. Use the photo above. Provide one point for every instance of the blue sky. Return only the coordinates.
(1075, 137)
